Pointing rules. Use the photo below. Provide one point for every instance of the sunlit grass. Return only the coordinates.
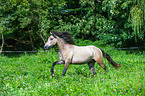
(29, 74)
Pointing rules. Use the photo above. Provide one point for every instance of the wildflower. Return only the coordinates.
(114, 89)
(122, 88)
(121, 92)
(82, 93)
(102, 79)
(130, 88)
(113, 82)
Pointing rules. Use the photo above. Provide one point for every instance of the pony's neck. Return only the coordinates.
(61, 44)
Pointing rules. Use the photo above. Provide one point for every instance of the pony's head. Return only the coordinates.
(51, 42)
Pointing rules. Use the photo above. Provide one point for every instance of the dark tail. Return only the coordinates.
(110, 60)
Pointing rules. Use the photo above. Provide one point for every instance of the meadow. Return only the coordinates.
(28, 74)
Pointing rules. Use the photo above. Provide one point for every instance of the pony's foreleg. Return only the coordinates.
(52, 68)
(91, 67)
(67, 62)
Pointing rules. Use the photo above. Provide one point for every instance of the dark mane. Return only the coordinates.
(65, 36)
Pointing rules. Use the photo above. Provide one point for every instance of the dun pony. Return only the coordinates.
(72, 54)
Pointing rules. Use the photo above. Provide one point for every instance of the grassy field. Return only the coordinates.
(29, 75)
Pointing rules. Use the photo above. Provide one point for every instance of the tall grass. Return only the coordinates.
(29, 75)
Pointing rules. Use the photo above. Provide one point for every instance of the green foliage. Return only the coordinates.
(107, 21)
(115, 22)
(26, 22)
(29, 74)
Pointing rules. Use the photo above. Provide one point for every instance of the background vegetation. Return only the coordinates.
(25, 24)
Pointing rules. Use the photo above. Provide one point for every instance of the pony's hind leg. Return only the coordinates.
(91, 67)
(100, 62)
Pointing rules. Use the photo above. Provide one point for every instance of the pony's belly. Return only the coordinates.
(81, 60)
(82, 55)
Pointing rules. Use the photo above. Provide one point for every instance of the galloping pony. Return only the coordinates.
(72, 54)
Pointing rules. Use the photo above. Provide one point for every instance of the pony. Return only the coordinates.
(69, 53)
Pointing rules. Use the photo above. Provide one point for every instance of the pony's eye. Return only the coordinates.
(51, 38)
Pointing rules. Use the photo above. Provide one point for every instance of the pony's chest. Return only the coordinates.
(65, 55)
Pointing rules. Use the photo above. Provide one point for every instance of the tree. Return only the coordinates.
(27, 22)
(137, 19)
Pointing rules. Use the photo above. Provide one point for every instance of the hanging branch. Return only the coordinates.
(42, 38)
(2, 43)
(137, 20)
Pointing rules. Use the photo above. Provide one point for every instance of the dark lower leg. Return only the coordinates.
(52, 68)
(93, 71)
(91, 67)
(64, 71)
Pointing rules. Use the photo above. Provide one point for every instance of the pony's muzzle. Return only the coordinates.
(47, 47)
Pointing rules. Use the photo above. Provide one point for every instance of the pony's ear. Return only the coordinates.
(51, 33)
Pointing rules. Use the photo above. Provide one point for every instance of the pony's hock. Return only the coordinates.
(72, 54)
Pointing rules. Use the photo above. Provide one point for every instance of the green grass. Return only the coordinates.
(29, 75)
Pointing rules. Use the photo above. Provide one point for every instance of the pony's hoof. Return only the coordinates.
(52, 75)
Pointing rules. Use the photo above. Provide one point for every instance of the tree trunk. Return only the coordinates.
(2, 43)
(31, 40)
